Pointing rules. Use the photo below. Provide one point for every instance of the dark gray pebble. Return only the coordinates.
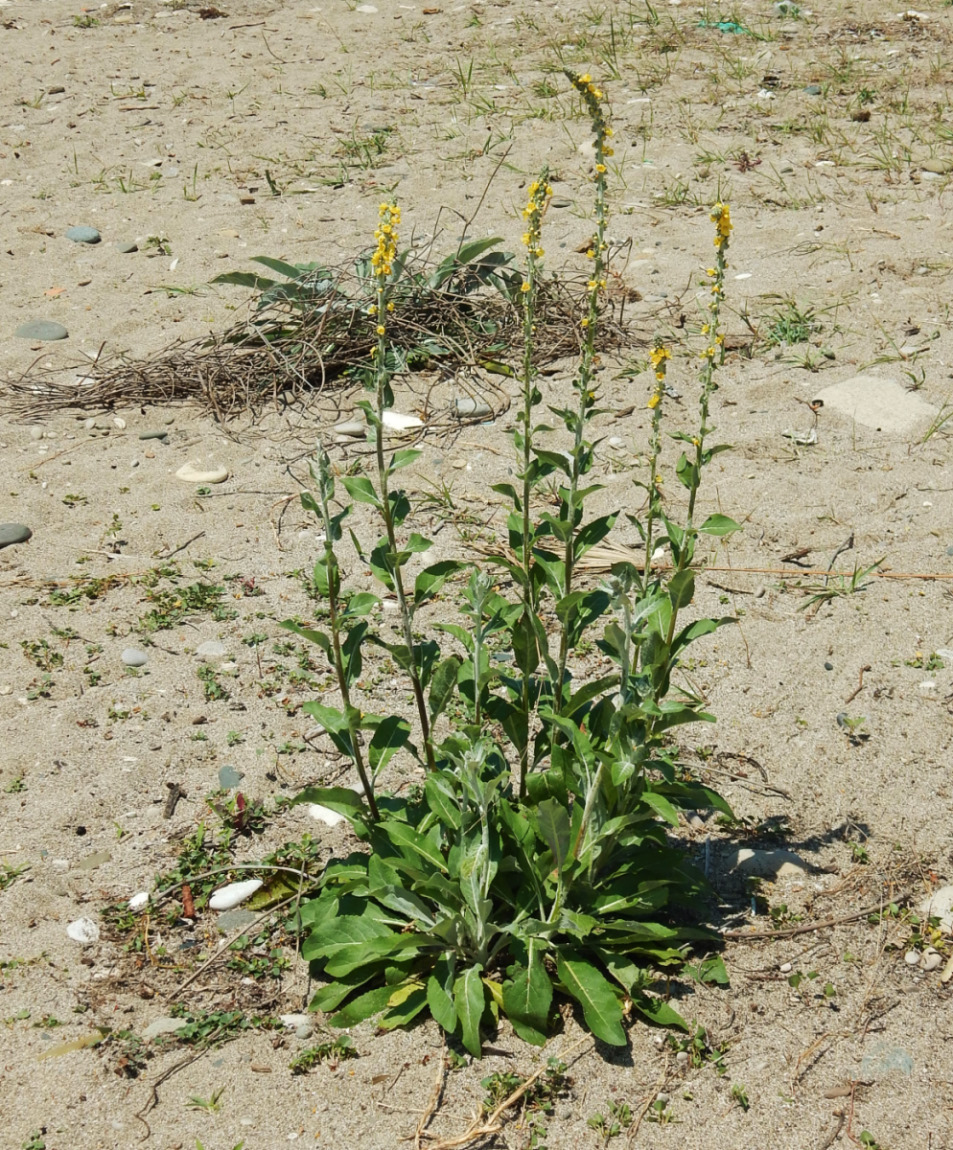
(13, 533)
(153, 434)
(42, 329)
(83, 235)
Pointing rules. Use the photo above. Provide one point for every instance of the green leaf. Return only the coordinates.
(405, 837)
(432, 578)
(659, 1012)
(317, 637)
(709, 970)
(440, 995)
(360, 488)
(681, 589)
(404, 1005)
(719, 525)
(442, 685)
(292, 271)
(529, 995)
(593, 991)
(341, 799)
(245, 280)
(552, 821)
(330, 996)
(392, 733)
(366, 1005)
(661, 806)
(404, 458)
(442, 799)
(469, 996)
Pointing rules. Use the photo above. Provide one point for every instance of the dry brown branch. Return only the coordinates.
(315, 336)
(483, 1127)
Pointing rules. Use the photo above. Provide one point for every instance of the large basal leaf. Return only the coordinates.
(391, 734)
(469, 998)
(442, 799)
(352, 956)
(529, 995)
(331, 996)
(440, 995)
(343, 800)
(404, 1005)
(595, 994)
(364, 1006)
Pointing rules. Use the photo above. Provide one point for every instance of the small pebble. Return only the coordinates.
(828, 666)
(912, 958)
(304, 1032)
(786, 967)
(153, 435)
(119, 422)
(126, 248)
(42, 329)
(617, 441)
(11, 533)
(132, 657)
(83, 235)
(139, 901)
(352, 428)
(931, 960)
(36, 433)
(813, 89)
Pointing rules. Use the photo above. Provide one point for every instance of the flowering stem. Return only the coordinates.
(381, 264)
(586, 397)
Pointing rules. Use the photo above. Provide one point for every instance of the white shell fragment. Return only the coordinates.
(139, 901)
(191, 474)
(84, 931)
(234, 894)
(397, 422)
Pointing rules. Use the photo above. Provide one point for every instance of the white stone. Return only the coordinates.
(931, 960)
(940, 905)
(234, 894)
(190, 474)
(83, 930)
(912, 958)
(211, 649)
(881, 404)
(397, 422)
(139, 901)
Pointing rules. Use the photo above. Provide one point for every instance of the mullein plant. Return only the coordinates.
(538, 858)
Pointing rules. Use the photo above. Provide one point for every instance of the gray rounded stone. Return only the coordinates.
(42, 329)
(467, 406)
(11, 533)
(82, 234)
(813, 89)
(133, 657)
(153, 434)
(127, 247)
(303, 1032)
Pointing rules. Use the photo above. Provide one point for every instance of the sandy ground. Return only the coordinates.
(173, 127)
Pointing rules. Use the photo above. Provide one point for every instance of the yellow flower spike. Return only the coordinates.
(655, 400)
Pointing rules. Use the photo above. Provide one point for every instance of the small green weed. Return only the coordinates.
(16, 786)
(617, 1118)
(739, 1094)
(211, 686)
(210, 1105)
(338, 1050)
(9, 874)
(699, 1050)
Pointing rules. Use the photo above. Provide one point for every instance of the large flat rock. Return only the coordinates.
(881, 404)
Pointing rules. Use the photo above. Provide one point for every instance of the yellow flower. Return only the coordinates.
(381, 329)
(601, 169)
(390, 306)
(583, 323)
(372, 310)
(655, 400)
(585, 79)
(658, 355)
(590, 254)
(525, 287)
